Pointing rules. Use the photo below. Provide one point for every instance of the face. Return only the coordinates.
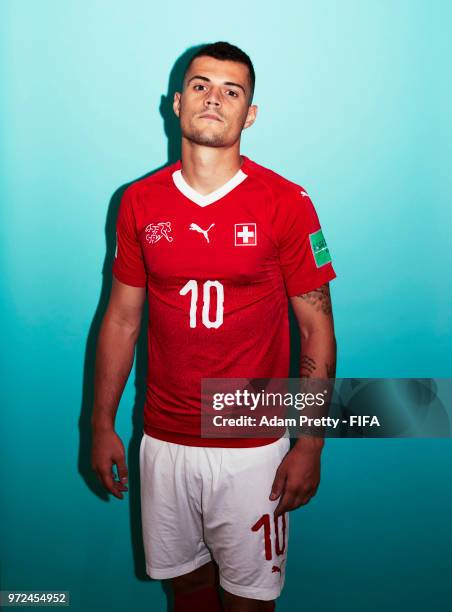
(213, 107)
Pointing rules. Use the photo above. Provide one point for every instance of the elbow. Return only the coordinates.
(127, 326)
(323, 332)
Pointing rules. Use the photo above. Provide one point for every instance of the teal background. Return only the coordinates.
(354, 104)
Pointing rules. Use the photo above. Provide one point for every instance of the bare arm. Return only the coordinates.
(314, 314)
(298, 476)
(114, 359)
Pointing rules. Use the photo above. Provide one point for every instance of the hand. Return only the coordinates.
(108, 450)
(297, 478)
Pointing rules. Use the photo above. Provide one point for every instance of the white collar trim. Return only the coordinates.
(213, 196)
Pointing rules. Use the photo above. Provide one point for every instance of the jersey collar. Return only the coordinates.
(213, 196)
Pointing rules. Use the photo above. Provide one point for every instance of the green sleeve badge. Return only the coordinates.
(319, 248)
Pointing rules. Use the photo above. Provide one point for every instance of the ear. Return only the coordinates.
(176, 103)
(251, 116)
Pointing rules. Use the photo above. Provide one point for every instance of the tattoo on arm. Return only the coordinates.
(319, 298)
(307, 366)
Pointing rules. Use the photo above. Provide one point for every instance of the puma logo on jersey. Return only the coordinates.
(156, 231)
(196, 228)
(304, 194)
(276, 569)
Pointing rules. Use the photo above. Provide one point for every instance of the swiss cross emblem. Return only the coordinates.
(156, 231)
(245, 234)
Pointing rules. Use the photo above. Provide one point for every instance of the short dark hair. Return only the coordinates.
(225, 51)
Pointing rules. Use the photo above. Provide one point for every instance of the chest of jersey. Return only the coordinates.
(230, 240)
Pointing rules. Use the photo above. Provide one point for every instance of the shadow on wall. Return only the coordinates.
(173, 134)
(172, 131)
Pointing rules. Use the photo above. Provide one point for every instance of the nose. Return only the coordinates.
(212, 100)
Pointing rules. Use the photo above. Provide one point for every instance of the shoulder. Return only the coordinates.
(279, 186)
(142, 186)
(289, 202)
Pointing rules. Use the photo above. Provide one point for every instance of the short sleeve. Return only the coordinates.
(304, 256)
(128, 265)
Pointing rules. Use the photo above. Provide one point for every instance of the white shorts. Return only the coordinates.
(200, 503)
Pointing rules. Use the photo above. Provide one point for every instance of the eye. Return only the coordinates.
(233, 93)
(198, 85)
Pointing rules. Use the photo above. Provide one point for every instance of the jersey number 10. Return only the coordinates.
(280, 543)
(192, 285)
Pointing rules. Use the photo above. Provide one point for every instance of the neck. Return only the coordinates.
(208, 168)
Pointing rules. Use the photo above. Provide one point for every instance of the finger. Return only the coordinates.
(119, 493)
(116, 491)
(278, 485)
(107, 481)
(302, 498)
(299, 500)
(117, 480)
(285, 503)
(306, 498)
(117, 484)
(122, 470)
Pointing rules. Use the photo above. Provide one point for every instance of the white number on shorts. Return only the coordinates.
(192, 286)
(264, 522)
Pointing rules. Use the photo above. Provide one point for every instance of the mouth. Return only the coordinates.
(210, 116)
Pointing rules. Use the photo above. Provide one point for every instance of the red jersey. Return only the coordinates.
(219, 269)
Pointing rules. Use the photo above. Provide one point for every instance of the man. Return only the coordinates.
(220, 243)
